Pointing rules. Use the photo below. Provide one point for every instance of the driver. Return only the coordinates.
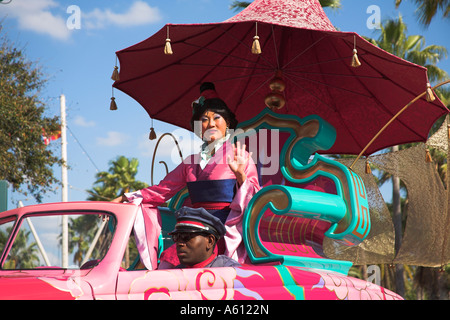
(195, 235)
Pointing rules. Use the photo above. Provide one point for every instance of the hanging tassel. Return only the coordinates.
(256, 46)
(115, 74)
(430, 95)
(168, 46)
(152, 135)
(428, 157)
(113, 105)
(355, 60)
(368, 169)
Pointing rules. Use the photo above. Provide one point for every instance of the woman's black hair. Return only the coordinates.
(216, 105)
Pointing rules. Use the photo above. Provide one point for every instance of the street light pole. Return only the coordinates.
(64, 182)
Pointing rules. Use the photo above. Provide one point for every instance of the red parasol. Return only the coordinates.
(298, 45)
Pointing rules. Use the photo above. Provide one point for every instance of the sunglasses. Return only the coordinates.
(186, 236)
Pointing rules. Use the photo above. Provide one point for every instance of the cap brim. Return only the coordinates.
(182, 229)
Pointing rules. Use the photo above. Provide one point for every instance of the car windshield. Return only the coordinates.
(37, 242)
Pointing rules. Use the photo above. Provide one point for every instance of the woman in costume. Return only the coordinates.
(222, 178)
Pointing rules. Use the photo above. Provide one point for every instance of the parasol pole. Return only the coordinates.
(395, 117)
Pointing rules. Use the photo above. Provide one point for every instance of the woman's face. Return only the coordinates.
(214, 126)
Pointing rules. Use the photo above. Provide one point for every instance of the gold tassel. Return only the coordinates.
(113, 105)
(256, 46)
(168, 47)
(428, 157)
(115, 74)
(152, 135)
(368, 169)
(430, 95)
(355, 60)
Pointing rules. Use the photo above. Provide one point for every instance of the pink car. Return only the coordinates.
(30, 267)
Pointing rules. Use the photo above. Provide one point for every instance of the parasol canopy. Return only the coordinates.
(290, 44)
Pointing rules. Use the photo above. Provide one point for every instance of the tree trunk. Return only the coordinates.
(397, 219)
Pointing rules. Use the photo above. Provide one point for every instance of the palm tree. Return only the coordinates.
(393, 39)
(81, 233)
(120, 178)
(22, 254)
(239, 5)
(427, 9)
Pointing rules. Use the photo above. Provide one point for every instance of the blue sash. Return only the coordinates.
(211, 190)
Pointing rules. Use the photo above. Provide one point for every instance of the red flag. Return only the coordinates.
(52, 137)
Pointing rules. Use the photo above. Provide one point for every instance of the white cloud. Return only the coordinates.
(50, 18)
(82, 122)
(35, 15)
(113, 139)
(139, 13)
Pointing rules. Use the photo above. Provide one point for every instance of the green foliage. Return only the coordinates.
(25, 161)
(22, 254)
(427, 9)
(120, 178)
(393, 38)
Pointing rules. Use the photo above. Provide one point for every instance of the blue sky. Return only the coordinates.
(79, 61)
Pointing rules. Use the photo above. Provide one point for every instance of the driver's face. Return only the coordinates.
(193, 248)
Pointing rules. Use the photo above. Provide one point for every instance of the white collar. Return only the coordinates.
(206, 152)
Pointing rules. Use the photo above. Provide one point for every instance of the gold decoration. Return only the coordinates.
(152, 135)
(168, 46)
(113, 105)
(430, 95)
(428, 156)
(115, 74)
(256, 46)
(368, 169)
(355, 60)
(275, 99)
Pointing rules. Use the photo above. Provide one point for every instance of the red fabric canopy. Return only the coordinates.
(299, 42)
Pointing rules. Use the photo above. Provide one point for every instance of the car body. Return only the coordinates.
(102, 277)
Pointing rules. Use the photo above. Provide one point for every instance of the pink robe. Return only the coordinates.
(189, 170)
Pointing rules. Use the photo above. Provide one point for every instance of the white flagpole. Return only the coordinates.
(64, 182)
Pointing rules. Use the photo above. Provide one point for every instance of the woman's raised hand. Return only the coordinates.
(238, 162)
